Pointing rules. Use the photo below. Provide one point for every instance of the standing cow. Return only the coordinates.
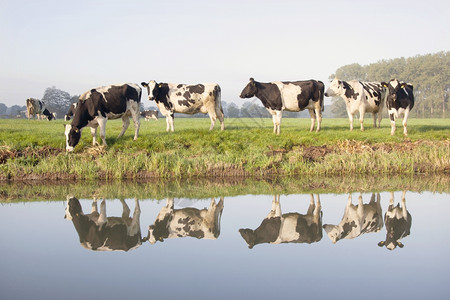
(189, 221)
(362, 97)
(37, 108)
(293, 96)
(101, 233)
(398, 223)
(400, 101)
(357, 220)
(150, 114)
(98, 105)
(279, 228)
(174, 98)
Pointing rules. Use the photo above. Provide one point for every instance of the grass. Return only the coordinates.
(35, 149)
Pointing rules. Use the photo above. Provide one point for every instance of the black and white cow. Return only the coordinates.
(101, 233)
(362, 97)
(150, 114)
(98, 105)
(174, 98)
(293, 96)
(37, 108)
(398, 224)
(279, 228)
(400, 101)
(357, 220)
(189, 221)
(70, 112)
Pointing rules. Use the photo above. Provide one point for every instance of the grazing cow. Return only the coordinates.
(400, 101)
(37, 108)
(98, 105)
(174, 98)
(362, 97)
(175, 223)
(279, 228)
(101, 233)
(398, 224)
(294, 96)
(357, 220)
(71, 112)
(150, 114)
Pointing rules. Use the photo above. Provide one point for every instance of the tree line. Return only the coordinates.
(429, 74)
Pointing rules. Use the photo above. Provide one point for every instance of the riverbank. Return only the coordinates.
(34, 150)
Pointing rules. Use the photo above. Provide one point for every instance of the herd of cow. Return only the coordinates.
(98, 232)
(98, 105)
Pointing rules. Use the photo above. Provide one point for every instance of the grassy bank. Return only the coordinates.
(35, 150)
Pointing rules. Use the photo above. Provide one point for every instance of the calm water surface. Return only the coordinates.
(47, 256)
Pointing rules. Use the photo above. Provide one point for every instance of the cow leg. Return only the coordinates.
(405, 119)
(221, 118)
(392, 117)
(312, 113)
(102, 218)
(361, 119)
(94, 135)
(374, 116)
(94, 208)
(350, 118)
(137, 122)
(276, 208)
(102, 124)
(319, 118)
(279, 115)
(169, 122)
(125, 124)
(125, 209)
(317, 209)
(135, 222)
(213, 121)
(404, 210)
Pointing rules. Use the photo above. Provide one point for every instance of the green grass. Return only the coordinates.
(246, 147)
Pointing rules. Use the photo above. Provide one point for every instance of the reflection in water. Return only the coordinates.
(357, 220)
(398, 223)
(279, 228)
(101, 233)
(193, 222)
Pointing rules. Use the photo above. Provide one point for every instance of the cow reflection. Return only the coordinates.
(193, 222)
(398, 223)
(101, 233)
(357, 220)
(279, 228)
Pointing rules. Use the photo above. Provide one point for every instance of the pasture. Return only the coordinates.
(35, 149)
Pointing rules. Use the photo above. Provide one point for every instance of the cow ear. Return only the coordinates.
(384, 84)
(76, 130)
(400, 245)
(144, 84)
(160, 85)
(403, 85)
(381, 244)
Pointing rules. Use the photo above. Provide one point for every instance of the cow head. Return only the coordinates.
(249, 236)
(73, 208)
(73, 135)
(392, 87)
(390, 245)
(152, 89)
(154, 235)
(336, 88)
(250, 90)
(334, 232)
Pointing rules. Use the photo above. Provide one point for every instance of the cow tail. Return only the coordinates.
(321, 96)
(219, 98)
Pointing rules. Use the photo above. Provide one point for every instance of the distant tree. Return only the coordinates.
(232, 111)
(57, 101)
(3, 108)
(253, 109)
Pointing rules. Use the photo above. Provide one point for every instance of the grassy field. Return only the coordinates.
(35, 150)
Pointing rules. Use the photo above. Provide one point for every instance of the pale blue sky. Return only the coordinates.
(78, 45)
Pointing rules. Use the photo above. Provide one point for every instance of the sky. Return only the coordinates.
(78, 45)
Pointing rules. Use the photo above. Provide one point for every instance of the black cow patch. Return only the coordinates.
(349, 91)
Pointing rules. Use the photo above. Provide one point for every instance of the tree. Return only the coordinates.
(57, 101)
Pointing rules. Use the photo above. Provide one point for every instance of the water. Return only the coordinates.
(42, 257)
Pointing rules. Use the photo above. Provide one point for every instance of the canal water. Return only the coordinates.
(318, 245)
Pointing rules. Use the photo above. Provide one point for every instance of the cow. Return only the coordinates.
(357, 220)
(192, 222)
(98, 105)
(174, 98)
(362, 97)
(101, 233)
(398, 223)
(150, 114)
(293, 96)
(279, 228)
(400, 101)
(37, 108)
(70, 112)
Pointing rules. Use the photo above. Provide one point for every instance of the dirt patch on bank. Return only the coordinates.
(45, 151)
